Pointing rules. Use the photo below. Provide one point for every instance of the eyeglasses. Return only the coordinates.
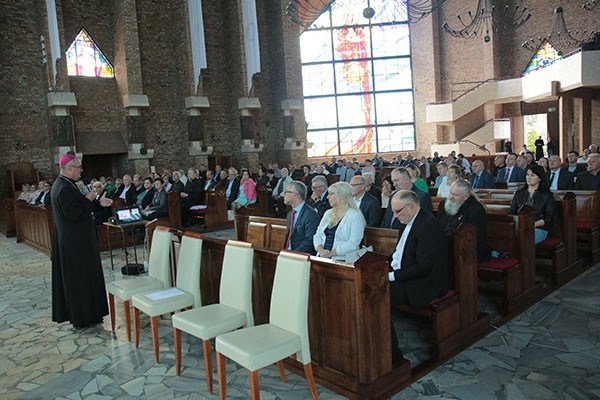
(289, 191)
(356, 184)
(76, 166)
(396, 212)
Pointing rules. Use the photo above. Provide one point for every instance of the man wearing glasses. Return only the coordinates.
(318, 198)
(301, 222)
(418, 269)
(78, 291)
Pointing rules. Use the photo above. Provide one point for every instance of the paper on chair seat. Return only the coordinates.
(198, 207)
(164, 294)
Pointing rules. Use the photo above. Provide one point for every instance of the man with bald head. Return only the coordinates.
(480, 177)
(126, 191)
(418, 268)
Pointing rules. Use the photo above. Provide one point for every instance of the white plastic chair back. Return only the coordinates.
(236, 278)
(289, 299)
(188, 267)
(158, 263)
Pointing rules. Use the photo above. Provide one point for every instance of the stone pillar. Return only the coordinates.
(248, 105)
(61, 123)
(198, 151)
(585, 123)
(136, 136)
(565, 124)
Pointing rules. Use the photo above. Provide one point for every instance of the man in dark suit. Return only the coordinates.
(418, 271)
(480, 178)
(590, 179)
(511, 173)
(233, 186)
(209, 183)
(126, 191)
(318, 199)
(43, 199)
(559, 178)
(301, 221)
(367, 204)
(371, 188)
(191, 195)
(401, 179)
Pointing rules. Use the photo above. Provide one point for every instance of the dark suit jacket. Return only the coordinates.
(177, 187)
(566, 180)
(130, 195)
(375, 192)
(321, 206)
(424, 202)
(371, 210)
(584, 181)
(579, 168)
(424, 272)
(471, 212)
(194, 189)
(304, 230)
(46, 202)
(517, 175)
(486, 180)
(235, 190)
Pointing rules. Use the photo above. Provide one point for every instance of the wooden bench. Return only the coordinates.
(350, 350)
(7, 217)
(514, 236)
(34, 226)
(214, 217)
(456, 321)
(587, 222)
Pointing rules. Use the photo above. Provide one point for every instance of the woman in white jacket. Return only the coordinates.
(342, 227)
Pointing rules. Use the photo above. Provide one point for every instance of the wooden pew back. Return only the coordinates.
(34, 226)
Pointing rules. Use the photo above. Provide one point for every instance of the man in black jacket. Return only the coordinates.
(559, 178)
(461, 206)
(126, 191)
(401, 180)
(367, 204)
(318, 198)
(301, 221)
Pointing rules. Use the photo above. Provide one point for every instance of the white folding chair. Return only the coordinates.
(285, 335)
(185, 294)
(233, 311)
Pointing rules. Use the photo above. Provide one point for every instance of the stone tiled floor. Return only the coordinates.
(552, 351)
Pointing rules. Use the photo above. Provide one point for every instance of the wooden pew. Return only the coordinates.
(457, 323)
(560, 247)
(588, 222)
(214, 216)
(514, 235)
(34, 226)
(350, 350)
(7, 217)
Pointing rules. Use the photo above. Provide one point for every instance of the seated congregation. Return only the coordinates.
(389, 242)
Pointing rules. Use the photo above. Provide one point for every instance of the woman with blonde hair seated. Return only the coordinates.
(342, 227)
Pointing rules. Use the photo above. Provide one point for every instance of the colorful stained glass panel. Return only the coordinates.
(84, 58)
(546, 55)
(392, 74)
(318, 79)
(320, 112)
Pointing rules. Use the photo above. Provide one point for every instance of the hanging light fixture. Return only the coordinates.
(487, 19)
(305, 12)
(560, 37)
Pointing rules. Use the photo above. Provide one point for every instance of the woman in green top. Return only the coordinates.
(415, 177)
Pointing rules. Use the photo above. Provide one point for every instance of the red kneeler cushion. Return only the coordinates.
(550, 242)
(449, 294)
(499, 263)
(585, 226)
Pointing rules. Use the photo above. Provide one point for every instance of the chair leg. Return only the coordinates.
(281, 370)
(208, 364)
(154, 325)
(136, 320)
(222, 378)
(311, 380)
(177, 346)
(111, 306)
(127, 312)
(254, 390)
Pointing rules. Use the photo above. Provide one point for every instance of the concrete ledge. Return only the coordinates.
(135, 100)
(245, 103)
(61, 99)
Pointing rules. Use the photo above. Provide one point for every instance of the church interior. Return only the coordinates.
(143, 86)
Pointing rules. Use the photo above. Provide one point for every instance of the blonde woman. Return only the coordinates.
(452, 176)
(342, 227)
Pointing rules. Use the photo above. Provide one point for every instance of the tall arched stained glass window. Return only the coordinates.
(84, 58)
(357, 74)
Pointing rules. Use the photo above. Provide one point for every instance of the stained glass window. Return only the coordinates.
(357, 78)
(543, 57)
(84, 58)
